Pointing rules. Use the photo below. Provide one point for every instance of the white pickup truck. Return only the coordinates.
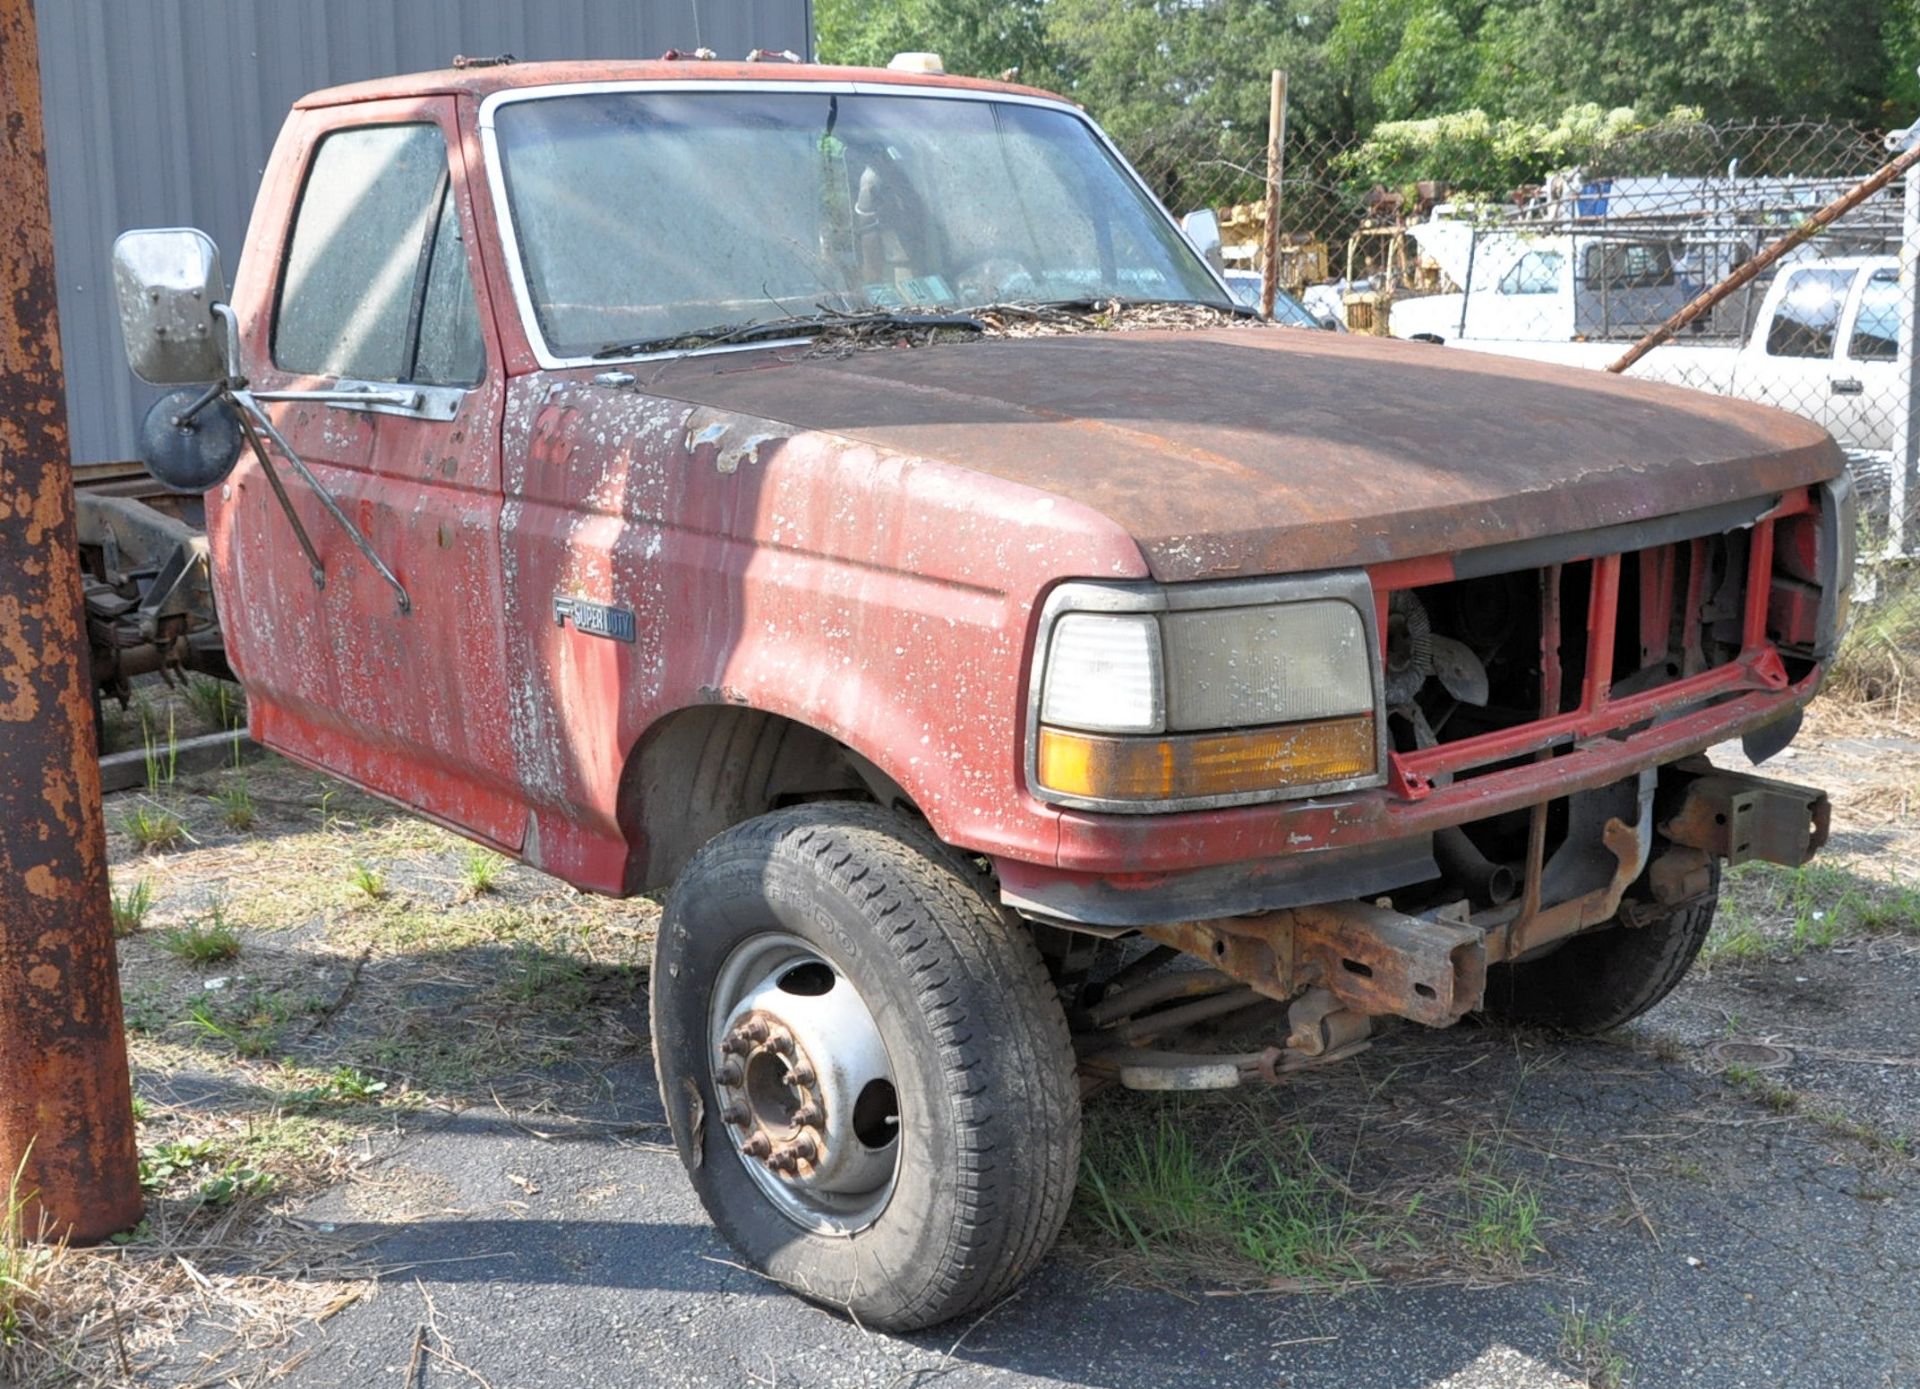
(1823, 345)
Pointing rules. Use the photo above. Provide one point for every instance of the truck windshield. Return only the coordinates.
(643, 218)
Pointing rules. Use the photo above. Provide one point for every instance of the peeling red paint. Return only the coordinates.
(860, 545)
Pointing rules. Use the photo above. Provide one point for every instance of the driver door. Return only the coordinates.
(379, 289)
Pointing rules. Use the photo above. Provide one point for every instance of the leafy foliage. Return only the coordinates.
(1152, 70)
(1478, 153)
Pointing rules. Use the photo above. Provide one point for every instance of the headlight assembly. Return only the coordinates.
(1151, 698)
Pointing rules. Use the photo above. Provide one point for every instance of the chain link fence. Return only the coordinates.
(1452, 231)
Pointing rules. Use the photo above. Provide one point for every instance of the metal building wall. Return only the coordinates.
(162, 113)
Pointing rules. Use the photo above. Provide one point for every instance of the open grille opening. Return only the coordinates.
(1492, 671)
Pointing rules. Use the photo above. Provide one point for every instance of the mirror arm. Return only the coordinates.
(231, 347)
(250, 408)
(212, 393)
(314, 566)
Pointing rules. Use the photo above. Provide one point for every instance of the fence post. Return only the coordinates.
(1276, 166)
(66, 1110)
(1903, 480)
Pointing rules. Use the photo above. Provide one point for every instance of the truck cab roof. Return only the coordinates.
(482, 81)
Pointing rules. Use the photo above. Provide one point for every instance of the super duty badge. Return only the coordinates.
(594, 619)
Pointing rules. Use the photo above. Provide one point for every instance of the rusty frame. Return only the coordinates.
(1372, 960)
(1736, 817)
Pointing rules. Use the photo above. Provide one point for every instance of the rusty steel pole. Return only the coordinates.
(66, 1108)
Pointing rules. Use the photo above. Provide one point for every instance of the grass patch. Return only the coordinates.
(25, 1269)
(1878, 664)
(1769, 911)
(1206, 1190)
(1781, 1099)
(153, 827)
(1587, 1345)
(220, 704)
(482, 871)
(208, 942)
(368, 881)
(235, 800)
(163, 758)
(1269, 1207)
(165, 1164)
(1501, 1225)
(1841, 1124)
(1784, 1099)
(130, 906)
(261, 1156)
(344, 1085)
(254, 1030)
(556, 980)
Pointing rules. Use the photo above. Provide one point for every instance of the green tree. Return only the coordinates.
(976, 38)
(1149, 67)
(1414, 57)
(1177, 80)
(1755, 59)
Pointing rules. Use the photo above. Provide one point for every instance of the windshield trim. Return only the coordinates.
(509, 236)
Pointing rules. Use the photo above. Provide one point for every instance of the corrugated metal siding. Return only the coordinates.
(162, 113)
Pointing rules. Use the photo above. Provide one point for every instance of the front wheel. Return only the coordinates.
(866, 1070)
(1603, 978)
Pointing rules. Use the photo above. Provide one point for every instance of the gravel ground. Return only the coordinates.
(1700, 1225)
(1773, 1253)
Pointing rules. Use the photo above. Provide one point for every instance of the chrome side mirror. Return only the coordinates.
(168, 283)
(1203, 231)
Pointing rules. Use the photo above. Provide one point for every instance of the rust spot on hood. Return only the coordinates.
(1241, 452)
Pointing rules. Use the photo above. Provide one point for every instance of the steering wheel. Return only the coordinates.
(998, 272)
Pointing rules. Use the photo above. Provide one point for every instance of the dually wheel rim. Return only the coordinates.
(805, 1088)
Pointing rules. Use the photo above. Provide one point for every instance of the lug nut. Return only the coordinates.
(729, 1073)
(805, 1147)
(754, 1030)
(780, 1044)
(801, 1075)
(782, 1160)
(735, 1114)
(807, 1114)
(756, 1144)
(736, 1043)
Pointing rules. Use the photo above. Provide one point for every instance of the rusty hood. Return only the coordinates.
(1259, 451)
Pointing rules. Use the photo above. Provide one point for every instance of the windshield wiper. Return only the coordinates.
(786, 327)
(1095, 302)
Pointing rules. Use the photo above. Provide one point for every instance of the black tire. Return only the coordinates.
(988, 1100)
(1605, 977)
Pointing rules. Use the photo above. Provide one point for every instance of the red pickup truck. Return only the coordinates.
(844, 498)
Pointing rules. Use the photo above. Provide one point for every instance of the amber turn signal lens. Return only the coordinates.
(1097, 767)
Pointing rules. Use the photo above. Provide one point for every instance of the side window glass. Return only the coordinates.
(1876, 328)
(1537, 272)
(366, 292)
(451, 352)
(1809, 312)
(1629, 265)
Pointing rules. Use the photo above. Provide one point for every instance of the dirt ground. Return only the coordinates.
(399, 1127)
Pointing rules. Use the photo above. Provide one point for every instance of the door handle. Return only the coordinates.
(1847, 385)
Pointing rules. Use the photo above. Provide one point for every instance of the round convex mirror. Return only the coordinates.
(190, 453)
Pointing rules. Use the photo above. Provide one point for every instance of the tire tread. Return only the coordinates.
(979, 981)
